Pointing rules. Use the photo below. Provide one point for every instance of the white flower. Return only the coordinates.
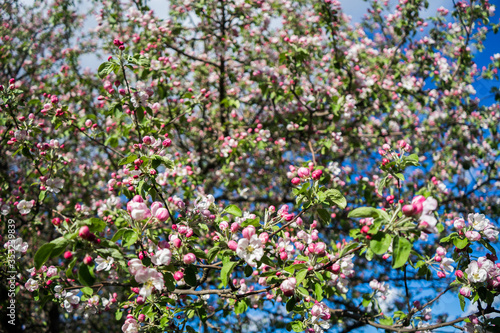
(205, 202)
(134, 266)
(475, 273)
(31, 285)
(104, 264)
(151, 279)
(131, 326)
(478, 221)
(250, 250)
(107, 303)
(446, 264)
(162, 257)
(5, 209)
(71, 300)
(491, 234)
(17, 245)
(24, 207)
(54, 185)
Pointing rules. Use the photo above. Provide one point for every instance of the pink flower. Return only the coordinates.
(151, 279)
(162, 257)
(473, 235)
(135, 265)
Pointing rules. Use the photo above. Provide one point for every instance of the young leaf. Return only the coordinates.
(380, 242)
(401, 248)
(233, 210)
(43, 254)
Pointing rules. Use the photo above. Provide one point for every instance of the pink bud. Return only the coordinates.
(295, 181)
(335, 268)
(68, 255)
(234, 227)
(162, 214)
(320, 249)
(459, 273)
(408, 210)
(232, 245)
(189, 258)
(178, 276)
(147, 140)
(84, 232)
(303, 172)
(142, 317)
(441, 275)
(264, 237)
(223, 225)
(177, 242)
(87, 260)
(140, 300)
(316, 174)
(249, 231)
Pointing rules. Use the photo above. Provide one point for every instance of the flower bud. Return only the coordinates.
(84, 232)
(288, 286)
(249, 231)
(189, 258)
(232, 245)
(303, 172)
(316, 174)
(178, 276)
(162, 214)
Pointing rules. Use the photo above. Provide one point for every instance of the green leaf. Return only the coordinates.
(368, 212)
(401, 248)
(190, 275)
(386, 321)
(334, 197)
(380, 242)
(128, 159)
(118, 234)
(169, 281)
(248, 270)
(69, 271)
(212, 253)
(290, 305)
(400, 176)
(233, 210)
(43, 254)
(303, 291)
(318, 291)
(87, 291)
(227, 268)
(199, 253)
(129, 237)
(85, 276)
(462, 301)
(324, 215)
(301, 276)
(461, 243)
(60, 245)
(240, 307)
(297, 326)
